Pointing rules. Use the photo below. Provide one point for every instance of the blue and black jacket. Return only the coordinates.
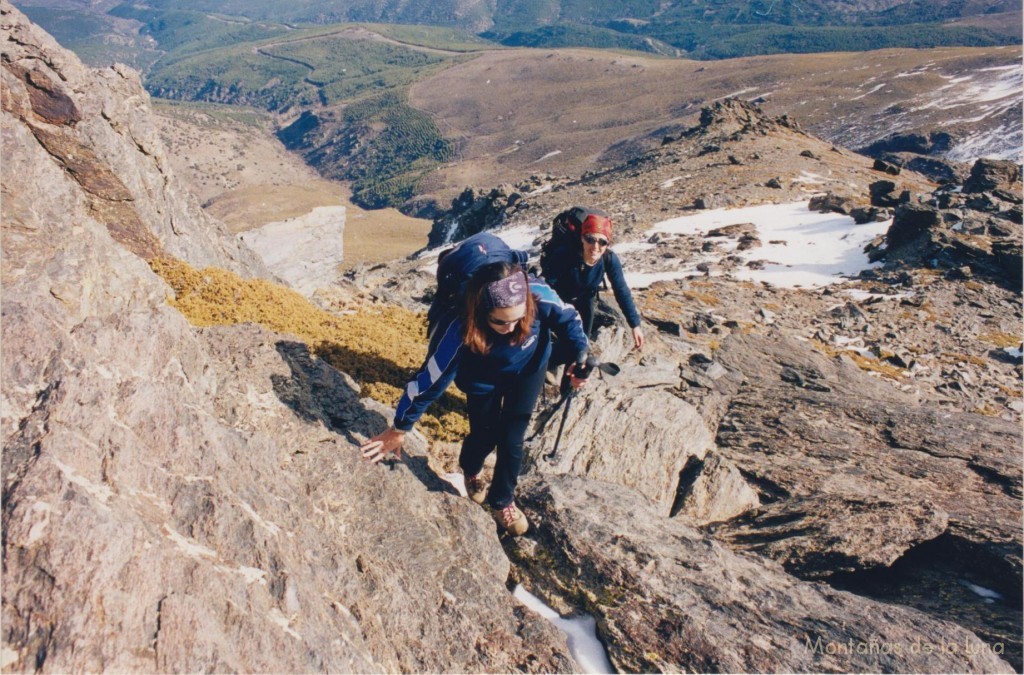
(577, 283)
(449, 359)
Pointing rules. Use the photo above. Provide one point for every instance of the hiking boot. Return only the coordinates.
(476, 488)
(512, 519)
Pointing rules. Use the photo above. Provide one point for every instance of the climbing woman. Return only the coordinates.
(495, 346)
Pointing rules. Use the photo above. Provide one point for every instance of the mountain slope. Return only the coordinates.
(584, 110)
(192, 500)
(706, 31)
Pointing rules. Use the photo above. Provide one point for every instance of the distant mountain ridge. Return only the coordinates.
(482, 14)
(407, 112)
(723, 30)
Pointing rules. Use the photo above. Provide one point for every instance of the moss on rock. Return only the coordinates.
(379, 346)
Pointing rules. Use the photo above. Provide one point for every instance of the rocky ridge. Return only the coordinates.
(855, 429)
(186, 500)
(233, 527)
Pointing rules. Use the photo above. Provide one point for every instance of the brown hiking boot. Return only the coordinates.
(476, 488)
(512, 519)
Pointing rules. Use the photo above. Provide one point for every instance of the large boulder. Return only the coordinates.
(668, 598)
(627, 429)
(853, 472)
(993, 174)
(910, 223)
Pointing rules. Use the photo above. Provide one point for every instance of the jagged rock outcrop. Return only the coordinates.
(475, 211)
(95, 125)
(977, 229)
(988, 175)
(732, 118)
(853, 473)
(670, 599)
(183, 500)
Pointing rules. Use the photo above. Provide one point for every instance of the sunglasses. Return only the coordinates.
(591, 239)
(496, 322)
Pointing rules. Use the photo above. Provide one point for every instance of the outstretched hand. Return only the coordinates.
(377, 448)
(638, 338)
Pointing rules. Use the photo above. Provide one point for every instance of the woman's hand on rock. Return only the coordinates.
(378, 447)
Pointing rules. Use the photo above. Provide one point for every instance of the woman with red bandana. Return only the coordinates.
(582, 265)
(496, 348)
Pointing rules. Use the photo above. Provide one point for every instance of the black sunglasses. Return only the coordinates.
(591, 239)
(496, 322)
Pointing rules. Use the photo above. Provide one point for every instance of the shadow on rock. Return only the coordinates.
(317, 392)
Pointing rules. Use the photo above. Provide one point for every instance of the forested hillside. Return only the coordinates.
(700, 30)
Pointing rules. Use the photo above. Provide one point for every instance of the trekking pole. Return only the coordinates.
(582, 373)
(569, 395)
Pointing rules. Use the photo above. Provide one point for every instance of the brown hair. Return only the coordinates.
(476, 334)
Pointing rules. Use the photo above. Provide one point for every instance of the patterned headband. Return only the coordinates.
(507, 292)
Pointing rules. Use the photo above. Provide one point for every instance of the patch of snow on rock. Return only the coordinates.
(802, 248)
(581, 631)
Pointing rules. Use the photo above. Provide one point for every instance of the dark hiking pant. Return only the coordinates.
(586, 306)
(499, 420)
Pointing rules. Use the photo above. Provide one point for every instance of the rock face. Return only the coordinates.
(670, 599)
(95, 125)
(183, 500)
(815, 465)
(859, 473)
(304, 252)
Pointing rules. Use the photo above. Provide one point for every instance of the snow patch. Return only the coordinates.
(520, 237)
(801, 248)
(989, 595)
(581, 631)
(737, 93)
(809, 178)
(869, 92)
(457, 481)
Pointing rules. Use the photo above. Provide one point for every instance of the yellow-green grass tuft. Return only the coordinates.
(379, 346)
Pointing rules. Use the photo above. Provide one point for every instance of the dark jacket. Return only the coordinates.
(449, 359)
(575, 282)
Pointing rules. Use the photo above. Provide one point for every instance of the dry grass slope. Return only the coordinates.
(378, 346)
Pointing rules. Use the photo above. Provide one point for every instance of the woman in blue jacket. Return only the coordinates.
(495, 347)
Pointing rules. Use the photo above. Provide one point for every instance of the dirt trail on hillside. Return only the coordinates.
(359, 33)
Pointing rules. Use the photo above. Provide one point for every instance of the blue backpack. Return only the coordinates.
(456, 265)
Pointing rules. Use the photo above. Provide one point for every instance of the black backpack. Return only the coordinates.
(456, 265)
(562, 250)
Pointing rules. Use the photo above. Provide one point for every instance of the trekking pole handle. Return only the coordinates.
(583, 370)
